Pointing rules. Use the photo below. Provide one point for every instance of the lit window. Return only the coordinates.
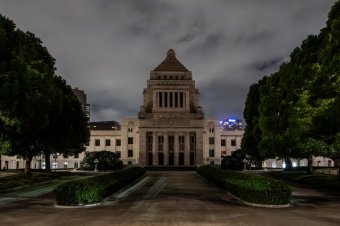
(273, 164)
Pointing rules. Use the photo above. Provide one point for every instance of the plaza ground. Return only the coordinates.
(175, 198)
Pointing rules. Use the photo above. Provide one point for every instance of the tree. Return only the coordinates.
(298, 109)
(68, 131)
(234, 162)
(252, 133)
(38, 111)
(106, 160)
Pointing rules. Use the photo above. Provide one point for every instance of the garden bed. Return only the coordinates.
(95, 189)
(250, 188)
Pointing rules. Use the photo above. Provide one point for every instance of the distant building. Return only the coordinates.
(83, 101)
(231, 124)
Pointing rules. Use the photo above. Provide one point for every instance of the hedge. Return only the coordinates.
(95, 189)
(249, 187)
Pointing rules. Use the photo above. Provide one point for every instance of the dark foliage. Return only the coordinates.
(107, 160)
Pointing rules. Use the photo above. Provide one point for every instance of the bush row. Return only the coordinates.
(95, 189)
(249, 187)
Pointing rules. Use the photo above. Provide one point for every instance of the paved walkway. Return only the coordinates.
(175, 198)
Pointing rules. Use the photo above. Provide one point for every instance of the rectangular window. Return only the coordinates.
(97, 142)
(166, 99)
(223, 142)
(192, 158)
(130, 140)
(76, 155)
(107, 142)
(181, 99)
(130, 153)
(176, 99)
(192, 143)
(160, 99)
(181, 158)
(87, 143)
(118, 142)
(160, 143)
(233, 142)
(211, 153)
(160, 159)
(181, 143)
(149, 140)
(171, 93)
(171, 143)
(211, 140)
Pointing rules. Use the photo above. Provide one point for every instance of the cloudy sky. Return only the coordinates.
(109, 47)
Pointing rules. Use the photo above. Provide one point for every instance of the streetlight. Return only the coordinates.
(245, 164)
(55, 156)
(96, 164)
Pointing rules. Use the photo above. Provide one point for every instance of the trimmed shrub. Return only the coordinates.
(95, 189)
(234, 162)
(249, 187)
(107, 160)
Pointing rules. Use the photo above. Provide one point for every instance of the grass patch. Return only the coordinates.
(250, 188)
(18, 180)
(317, 180)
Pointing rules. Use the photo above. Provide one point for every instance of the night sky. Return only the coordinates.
(108, 48)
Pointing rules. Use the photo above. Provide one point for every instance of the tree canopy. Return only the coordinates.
(38, 110)
(295, 112)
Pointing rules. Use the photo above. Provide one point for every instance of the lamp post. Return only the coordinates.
(55, 156)
(96, 164)
(245, 164)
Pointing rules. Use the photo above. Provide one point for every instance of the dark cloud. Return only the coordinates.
(108, 47)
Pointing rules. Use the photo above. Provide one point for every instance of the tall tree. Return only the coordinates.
(252, 133)
(36, 106)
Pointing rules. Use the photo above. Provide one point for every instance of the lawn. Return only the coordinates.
(20, 179)
(317, 180)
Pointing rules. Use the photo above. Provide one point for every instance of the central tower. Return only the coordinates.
(171, 121)
(171, 92)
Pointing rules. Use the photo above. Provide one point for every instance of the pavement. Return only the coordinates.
(175, 198)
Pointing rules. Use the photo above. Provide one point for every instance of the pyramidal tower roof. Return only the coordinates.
(170, 63)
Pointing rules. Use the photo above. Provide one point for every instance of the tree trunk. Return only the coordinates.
(288, 162)
(28, 165)
(310, 165)
(47, 161)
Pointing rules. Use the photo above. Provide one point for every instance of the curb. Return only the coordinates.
(79, 206)
(257, 204)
